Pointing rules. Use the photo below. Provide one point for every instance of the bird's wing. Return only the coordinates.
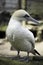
(28, 35)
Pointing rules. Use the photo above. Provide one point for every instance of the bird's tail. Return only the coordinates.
(35, 52)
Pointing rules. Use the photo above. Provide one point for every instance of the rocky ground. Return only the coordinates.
(5, 49)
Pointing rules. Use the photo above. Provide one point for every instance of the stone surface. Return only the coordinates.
(5, 49)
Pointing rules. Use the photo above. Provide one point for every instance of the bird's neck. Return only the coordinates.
(14, 22)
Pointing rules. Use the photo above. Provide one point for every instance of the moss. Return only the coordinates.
(7, 61)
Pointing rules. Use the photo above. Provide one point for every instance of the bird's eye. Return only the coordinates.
(26, 16)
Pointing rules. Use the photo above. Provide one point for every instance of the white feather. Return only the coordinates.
(21, 38)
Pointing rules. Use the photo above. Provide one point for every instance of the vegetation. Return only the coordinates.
(3, 28)
(8, 61)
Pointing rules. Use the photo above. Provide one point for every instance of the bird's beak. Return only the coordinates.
(33, 20)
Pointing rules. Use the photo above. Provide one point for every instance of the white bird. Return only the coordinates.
(20, 37)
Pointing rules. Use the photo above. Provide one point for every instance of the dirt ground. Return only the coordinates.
(5, 49)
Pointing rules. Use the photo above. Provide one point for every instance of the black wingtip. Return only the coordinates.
(36, 52)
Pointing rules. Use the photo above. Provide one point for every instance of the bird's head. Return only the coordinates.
(22, 15)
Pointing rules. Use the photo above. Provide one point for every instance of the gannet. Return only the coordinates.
(20, 37)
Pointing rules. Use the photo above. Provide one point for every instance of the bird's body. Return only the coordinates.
(20, 37)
